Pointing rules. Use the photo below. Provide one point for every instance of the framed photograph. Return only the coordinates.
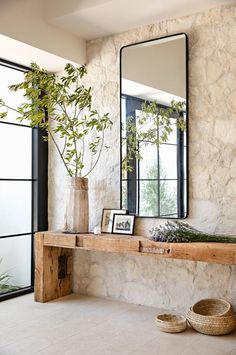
(123, 224)
(107, 219)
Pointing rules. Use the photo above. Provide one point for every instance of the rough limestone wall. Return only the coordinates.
(212, 167)
(168, 284)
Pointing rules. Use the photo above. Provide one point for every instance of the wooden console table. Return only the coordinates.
(53, 256)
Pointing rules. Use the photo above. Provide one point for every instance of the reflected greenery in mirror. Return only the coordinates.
(154, 135)
(152, 125)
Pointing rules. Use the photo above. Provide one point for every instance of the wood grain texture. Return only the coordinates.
(47, 284)
(111, 243)
(39, 263)
(219, 253)
(50, 245)
(61, 240)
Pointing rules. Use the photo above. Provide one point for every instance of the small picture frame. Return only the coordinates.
(107, 218)
(123, 224)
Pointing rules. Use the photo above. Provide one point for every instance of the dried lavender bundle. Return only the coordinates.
(180, 232)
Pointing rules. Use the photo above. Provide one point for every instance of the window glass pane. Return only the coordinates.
(124, 194)
(148, 167)
(124, 154)
(15, 263)
(15, 207)
(123, 110)
(168, 198)
(148, 198)
(144, 122)
(8, 77)
(168, 161)
(15, 152)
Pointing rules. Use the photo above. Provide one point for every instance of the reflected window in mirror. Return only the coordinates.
(155, 184)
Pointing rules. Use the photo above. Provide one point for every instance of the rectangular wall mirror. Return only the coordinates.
(154, 127)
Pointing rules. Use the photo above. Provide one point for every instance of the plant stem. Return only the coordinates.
(63, 150)
(98, 157)
(74, 140)
(54, 141)
(82, 154)
(11, 108)
(76, 116)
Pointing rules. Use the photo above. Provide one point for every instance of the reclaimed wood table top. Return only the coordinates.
(220, 253)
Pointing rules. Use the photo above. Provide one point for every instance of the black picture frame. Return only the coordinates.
(123, 224)
(107, 218)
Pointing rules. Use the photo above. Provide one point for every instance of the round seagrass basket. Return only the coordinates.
(212, 317)
(171, 323)
(213, 307)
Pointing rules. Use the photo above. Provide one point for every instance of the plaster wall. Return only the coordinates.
(24, 20)
(212, 167)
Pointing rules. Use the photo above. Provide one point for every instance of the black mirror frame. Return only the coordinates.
(187, 119)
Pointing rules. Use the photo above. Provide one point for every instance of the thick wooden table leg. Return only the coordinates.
(53, 274)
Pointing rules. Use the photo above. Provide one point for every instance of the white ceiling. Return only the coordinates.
(86, 19)
(25, 54)
(90, 19)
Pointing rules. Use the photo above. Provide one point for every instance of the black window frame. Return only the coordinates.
(39, 188)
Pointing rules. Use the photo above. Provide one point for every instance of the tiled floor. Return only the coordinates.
(77, 325)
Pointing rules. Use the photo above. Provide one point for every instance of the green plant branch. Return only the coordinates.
(83, 147)
(64, 147)
(59, 152)
(98, 157)
(44, 92)
(75, 114)
(50, 133)
(158, 119)
(74, 139)
(11, 108)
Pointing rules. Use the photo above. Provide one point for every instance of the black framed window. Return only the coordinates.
(23, 190)
(156, 186)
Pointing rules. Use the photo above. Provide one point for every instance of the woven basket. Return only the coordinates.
(171, 323)
(212, 325)
(213, 307)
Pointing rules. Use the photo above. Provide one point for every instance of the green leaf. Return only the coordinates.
(3, 115)
(151, 118)
(62, 107)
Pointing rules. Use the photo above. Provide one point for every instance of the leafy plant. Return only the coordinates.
(5, 286)
(142, 129)
(62, 107)
(179, 232)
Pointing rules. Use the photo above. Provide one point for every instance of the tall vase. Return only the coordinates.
(76, 206)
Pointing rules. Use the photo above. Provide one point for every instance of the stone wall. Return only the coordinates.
(212, 167)
(168, 284)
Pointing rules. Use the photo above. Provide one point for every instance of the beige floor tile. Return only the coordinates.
(232, 352)
(166, 344)
(78, 325)
(209, 345)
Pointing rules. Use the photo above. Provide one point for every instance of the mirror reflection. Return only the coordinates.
(154, 127)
